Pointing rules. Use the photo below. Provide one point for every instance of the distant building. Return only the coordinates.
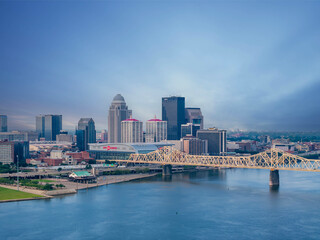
(194, 115)
(48, 126)
(217, 140)
(173, 111)
(118, 112)
(56, 154)
(113, 151)
(80, 136)
(131, 131)
(11, 151)
(194, 146)
(3, 123)
(53, 161)
(6, 152)
(265, 139)
(88, 126)
(18, 136)
(287, 147)
(156, 130)
(104, 136)
(64, 137)
(189, 129)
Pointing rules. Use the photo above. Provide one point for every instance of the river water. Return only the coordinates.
(225, 204)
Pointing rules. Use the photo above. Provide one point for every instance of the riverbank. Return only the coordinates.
(72, 187)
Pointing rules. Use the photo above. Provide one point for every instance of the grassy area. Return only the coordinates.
(7, 194)
(45, 180)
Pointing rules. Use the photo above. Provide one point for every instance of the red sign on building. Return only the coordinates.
(109, 148)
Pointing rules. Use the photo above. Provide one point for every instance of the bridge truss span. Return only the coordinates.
(270, 159)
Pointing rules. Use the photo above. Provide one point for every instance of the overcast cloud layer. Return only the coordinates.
(248, 64)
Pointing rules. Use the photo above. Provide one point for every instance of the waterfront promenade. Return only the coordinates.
(73, 187)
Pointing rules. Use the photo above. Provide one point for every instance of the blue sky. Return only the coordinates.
(251, 65)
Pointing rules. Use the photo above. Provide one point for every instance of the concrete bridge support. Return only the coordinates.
(274, 178)
(167, 170)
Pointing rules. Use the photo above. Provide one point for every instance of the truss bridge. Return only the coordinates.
(272, 159)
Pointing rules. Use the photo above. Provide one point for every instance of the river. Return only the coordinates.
(225, 204)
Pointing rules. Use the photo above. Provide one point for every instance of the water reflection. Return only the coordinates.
(274, 189)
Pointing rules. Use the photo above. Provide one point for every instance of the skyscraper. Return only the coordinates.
(173, 111)
(118, 112)
(49, 126)
(3, 123)
(156, 130)
(194, 115)
(131, 131)
(88, 126)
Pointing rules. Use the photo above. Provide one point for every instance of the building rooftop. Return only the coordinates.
(118, 98)
(82, 173)
(130, 120)
(155, 120)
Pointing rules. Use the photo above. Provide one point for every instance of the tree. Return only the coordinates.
(59, 169)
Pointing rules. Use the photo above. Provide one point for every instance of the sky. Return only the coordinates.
(249, 65)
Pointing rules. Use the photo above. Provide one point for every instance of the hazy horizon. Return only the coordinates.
(251, 65)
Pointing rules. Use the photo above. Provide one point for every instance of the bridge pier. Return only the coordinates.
(274, 178)
(167, 170)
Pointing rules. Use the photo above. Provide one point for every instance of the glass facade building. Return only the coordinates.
(48, 126)
(3, 123)
(173, 111)
(88, 126)
(189, 129)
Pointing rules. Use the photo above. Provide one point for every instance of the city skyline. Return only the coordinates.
(249, 65)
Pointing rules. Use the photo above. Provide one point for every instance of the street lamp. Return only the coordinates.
(18, 172)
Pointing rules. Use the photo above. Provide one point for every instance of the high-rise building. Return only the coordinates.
(48, 126)
(156, 130)
(80, 138)
(88, 126)
(3, 123)
(131, 131)
(194, 115)
(173, 111)
(194, 146)
(118, 112)
(189, 129)
(217, 140)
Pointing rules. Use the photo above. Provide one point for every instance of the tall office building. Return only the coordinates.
(118, 112)
(173, 111)
(217, 140)
(48, 126)
(88, 126)
(131, 131)
(3, 123)
(80, 138)
(194, 115)
(189, 129)
(156, 130)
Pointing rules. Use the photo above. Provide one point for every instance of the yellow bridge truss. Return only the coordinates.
(270, 159)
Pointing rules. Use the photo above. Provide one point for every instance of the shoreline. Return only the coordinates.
(73, 187)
